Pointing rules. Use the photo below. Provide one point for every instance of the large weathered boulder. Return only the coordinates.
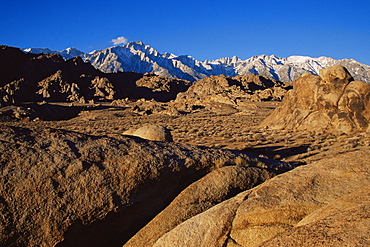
(329, 101)
(215, 187)
(70, 189)
(322, 201)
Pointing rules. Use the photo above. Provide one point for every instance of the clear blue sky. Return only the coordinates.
(204, 29)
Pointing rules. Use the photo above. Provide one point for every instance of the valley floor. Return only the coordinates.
(217, 125)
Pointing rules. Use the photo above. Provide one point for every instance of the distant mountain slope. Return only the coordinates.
(141, 58)
(66, 53)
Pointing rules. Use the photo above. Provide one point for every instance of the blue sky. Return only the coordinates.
(203, 29)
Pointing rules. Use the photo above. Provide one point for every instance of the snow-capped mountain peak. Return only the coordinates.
(141, 58)
(73, 52)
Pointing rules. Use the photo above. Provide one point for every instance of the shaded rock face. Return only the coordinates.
(322, 204)
(329, 101)
(64, 188)
(162, 88)
(233, 91)
(47, 77)
(14, 113)
(46, 112)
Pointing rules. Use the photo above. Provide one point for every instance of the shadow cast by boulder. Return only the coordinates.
(277, 151)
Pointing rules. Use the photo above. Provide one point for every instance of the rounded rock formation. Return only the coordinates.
(331, 101)
(217, 186)
(321, 204)
(152, 133)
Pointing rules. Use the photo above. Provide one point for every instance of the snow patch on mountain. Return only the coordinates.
(68, 53)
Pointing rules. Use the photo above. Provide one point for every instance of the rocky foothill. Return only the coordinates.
(237, 91)
(49, 78)
(127, 159)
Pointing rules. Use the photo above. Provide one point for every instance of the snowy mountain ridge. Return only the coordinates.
(68, 53)
(141, 58)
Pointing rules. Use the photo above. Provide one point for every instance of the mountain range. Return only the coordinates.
(141, 58)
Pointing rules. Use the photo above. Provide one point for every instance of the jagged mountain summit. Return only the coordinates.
(141, 58)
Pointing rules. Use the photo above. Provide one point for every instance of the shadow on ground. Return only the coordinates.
(277, 151)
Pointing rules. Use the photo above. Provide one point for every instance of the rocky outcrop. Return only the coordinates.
(329, 101)
(48, 77)
(102, 89)
(63, 188)
(162, 88)
(323, 204)
(237, 91)
(56, 88)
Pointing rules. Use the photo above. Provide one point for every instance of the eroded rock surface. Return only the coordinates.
(329, 101)
(65, 188)
(343, 222)
(313, 204)
(203, 194)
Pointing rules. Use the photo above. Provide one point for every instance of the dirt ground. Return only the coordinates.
(216, 125)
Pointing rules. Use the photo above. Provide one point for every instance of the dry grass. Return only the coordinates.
(217, 125)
